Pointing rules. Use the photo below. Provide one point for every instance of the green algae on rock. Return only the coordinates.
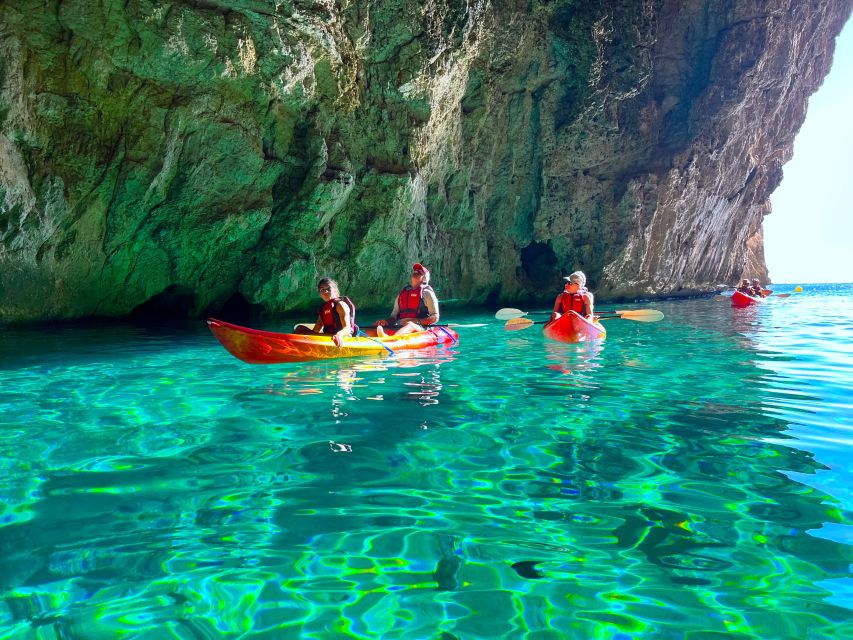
(180, 157)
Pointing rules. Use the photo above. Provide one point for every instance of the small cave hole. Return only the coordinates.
(235, 309)
(174, 303)
(539, 263)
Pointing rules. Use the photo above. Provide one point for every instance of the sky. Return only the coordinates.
(809, 235)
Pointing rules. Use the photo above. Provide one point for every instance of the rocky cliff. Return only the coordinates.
(181, 157)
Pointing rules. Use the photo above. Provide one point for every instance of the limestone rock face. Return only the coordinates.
(188, 156)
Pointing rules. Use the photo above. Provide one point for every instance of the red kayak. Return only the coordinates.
(740, 299)
(573, 327)
(266, 347)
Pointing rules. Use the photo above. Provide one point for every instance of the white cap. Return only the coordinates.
(578, 276)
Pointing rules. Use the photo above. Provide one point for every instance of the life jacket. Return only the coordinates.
(411, 304)
(328, 314)
(757, 292)
(574, 302)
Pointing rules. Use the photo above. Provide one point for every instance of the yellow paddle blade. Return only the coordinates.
(517, 324)
(641, 315)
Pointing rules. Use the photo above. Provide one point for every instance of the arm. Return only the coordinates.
(431, 303)
(343, 314)
(392, 319)
(590, 304)
(555, 312)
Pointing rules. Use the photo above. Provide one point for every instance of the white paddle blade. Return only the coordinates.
(307, 325)
(506, 314)
(517, 324)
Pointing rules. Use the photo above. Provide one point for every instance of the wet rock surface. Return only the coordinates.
(185, 157)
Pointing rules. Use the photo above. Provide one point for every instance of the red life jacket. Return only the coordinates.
(411, 304)
(328, 314)
(574, 302)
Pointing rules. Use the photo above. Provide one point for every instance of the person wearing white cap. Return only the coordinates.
(574, 297)
(416, 305)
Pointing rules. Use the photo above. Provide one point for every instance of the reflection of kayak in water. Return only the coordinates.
(740, 299)
(573, 327)
(266, 347)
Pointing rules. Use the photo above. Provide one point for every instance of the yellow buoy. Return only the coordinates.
(798, 289)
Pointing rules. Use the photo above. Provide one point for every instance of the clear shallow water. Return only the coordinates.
(685, 479)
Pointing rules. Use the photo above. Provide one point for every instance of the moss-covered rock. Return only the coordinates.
(175, 157)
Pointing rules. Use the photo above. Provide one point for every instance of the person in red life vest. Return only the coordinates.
(757, 289)
(745, 287)
(416, 305)
(574, 297)
(335, 317)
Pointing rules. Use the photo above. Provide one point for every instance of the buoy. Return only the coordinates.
(798, 289)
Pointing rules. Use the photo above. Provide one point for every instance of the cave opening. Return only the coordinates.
(539, 262)
(236, 309)
(175, 303)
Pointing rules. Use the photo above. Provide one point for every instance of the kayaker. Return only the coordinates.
(757, 289)
(574, 297)
(745, 287)
(416, 305)
(336, 316)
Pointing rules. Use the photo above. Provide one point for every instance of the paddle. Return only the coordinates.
(637, 315)
(362, 334)
(640, 315)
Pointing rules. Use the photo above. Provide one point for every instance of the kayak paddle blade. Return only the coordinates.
(517, 324)
(506, 314)
(641, 315)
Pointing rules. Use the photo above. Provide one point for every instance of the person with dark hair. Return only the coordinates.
(335, 317)
(416, 305)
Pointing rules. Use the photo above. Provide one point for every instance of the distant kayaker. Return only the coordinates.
(416, 305)
(757, 289)
(574, 297)
(335, 317)
(745, 287)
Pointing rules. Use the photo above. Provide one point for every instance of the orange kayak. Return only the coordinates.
(573, 327)
(266, 347)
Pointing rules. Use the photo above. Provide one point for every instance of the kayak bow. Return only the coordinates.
(573, 327)
(740, 299)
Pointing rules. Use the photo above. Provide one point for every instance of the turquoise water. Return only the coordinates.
(685, 479)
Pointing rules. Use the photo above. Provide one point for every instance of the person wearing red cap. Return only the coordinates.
(416, 305)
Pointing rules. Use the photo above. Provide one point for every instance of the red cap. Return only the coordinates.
(419, 267)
